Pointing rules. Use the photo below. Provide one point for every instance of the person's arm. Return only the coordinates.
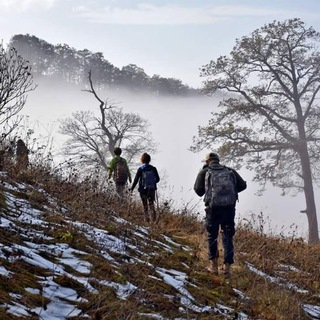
(199, 185)
(136, 179)
(111, 167)
(241, 184)
(129, 173)
(156, 174)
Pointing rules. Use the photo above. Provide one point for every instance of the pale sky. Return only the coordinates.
(170, 38)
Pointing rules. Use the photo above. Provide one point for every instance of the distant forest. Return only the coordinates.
(65, 63)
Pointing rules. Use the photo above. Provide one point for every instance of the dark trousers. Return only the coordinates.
(148, 198)
(223, 217)
(120, 189)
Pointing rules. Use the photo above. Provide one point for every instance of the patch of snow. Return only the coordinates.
(123, 291)
(288, 267)
(4, 272)
(240, 294)
(102, 237)
(311, 310)
(276, 280)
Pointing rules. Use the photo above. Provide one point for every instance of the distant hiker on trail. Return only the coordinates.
(119, 169)
(22, 154)
(148, 177)
(220, 186)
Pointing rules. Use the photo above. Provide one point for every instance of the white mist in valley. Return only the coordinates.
(173, 123)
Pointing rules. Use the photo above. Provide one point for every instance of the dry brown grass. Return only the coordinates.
(264, 299)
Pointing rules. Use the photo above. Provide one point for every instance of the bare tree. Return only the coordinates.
(271, 122)
(15, 82)
(85, 139)
(93, 139)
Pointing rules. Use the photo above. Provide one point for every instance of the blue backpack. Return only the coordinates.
(149, 179)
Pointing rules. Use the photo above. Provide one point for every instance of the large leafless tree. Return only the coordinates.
(271, 119)
(92, 139)
(15, 82)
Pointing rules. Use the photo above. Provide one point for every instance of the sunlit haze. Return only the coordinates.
(171, 39)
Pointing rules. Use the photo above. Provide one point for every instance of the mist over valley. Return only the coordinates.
(173, 123)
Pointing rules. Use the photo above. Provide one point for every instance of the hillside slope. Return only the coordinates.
(68, 251)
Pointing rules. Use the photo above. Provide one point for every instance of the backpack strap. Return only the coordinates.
(120, 159)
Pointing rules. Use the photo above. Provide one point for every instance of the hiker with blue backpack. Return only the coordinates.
(148, 177)
(220, 186)
(118, 168)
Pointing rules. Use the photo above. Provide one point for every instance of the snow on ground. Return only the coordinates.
(64, 301)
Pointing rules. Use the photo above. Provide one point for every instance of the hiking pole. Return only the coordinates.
(157, 199)
(158, 211)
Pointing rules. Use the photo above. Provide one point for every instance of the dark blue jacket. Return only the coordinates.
(138, 177)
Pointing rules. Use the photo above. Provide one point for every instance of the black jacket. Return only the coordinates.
(199, 186)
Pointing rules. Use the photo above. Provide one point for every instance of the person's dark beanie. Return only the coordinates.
(212, 156)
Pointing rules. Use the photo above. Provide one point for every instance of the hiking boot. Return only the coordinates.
(213, 267)
(227, 269)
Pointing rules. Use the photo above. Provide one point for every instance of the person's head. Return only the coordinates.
(212, 156)
(117, 151)
(145, 158)
(20, 142)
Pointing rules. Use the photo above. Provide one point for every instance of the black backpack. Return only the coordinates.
(220, 187)
(121, 172)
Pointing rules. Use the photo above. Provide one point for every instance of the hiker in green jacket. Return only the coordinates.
(118, 168)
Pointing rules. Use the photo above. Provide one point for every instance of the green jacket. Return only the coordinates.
(112, 166)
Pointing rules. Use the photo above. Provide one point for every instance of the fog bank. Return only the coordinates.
(174, 121)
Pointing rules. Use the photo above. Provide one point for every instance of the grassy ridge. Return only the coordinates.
(161, 269)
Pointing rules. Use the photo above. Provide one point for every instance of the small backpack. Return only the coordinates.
(121, 172)
(220, 187)
(149, 179)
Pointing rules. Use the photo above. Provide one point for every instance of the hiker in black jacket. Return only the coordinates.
(220, 210)
(148, 177)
